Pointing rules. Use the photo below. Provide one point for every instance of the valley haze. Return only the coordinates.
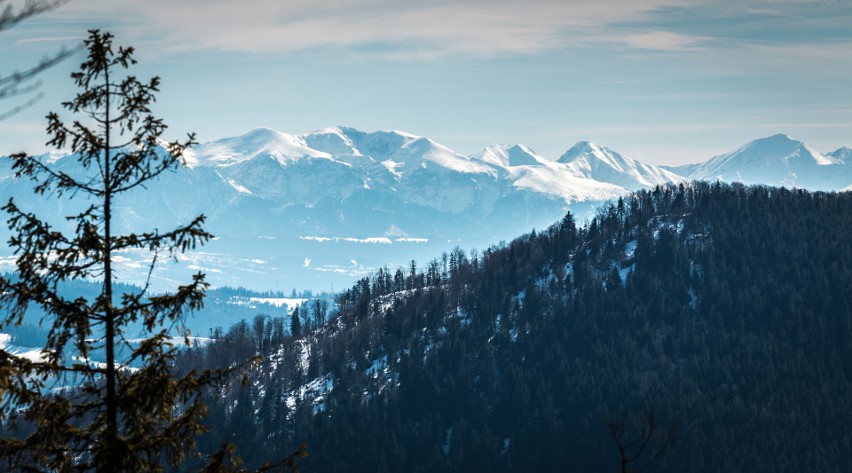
(319, 210)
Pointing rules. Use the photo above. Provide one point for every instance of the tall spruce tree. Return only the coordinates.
(107, 416)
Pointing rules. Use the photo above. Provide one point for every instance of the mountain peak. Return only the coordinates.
(777, 137)
(261, 134)
(591, 160)
(329, 130)
(841, 154)
(401, 133)
(509, 156)
(775, 160)
(346, 132)
(774, 143)
(584, 148)
(588, 149)
(779, 146)
(334, 140)
(260, 141)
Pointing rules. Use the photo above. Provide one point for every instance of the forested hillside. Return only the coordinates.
(728, 309)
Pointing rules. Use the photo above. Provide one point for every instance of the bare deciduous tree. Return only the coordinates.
(641, 449)
(24, 84)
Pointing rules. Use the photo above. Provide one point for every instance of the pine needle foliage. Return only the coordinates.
(63, 412)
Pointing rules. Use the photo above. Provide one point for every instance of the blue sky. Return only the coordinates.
(663, 81)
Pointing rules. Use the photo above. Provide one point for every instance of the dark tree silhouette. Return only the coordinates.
(640, 449)
(140, 415)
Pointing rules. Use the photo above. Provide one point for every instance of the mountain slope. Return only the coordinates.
(841, 154)
(521, 169)
(592, 161)
(725, 308)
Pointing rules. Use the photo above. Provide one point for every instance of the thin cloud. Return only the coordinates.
(437, 27)
(47, 39)
(429, 29)
(664, 41)
(812, 51)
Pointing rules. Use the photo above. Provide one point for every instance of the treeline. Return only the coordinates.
(726, 308)
(224, 306)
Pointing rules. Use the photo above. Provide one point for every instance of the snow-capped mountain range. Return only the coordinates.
(779, 161)
(334, 203)
(412, 169)
(406, 164)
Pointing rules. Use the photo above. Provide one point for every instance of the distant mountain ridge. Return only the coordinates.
(776, 160)
(341, 184)
(585, 171)
(270, 164)
(410, 166)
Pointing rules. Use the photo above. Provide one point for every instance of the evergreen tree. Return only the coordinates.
(106, 417)
(295, 324)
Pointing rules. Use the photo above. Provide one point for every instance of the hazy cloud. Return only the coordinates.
(664, 41)
(430, 28)
(482, 27)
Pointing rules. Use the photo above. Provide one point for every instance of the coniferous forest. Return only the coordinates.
(694, 318)
(724, 310)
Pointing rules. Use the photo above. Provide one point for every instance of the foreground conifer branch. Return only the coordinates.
(63, 412)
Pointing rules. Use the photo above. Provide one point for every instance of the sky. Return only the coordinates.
(662, 81)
